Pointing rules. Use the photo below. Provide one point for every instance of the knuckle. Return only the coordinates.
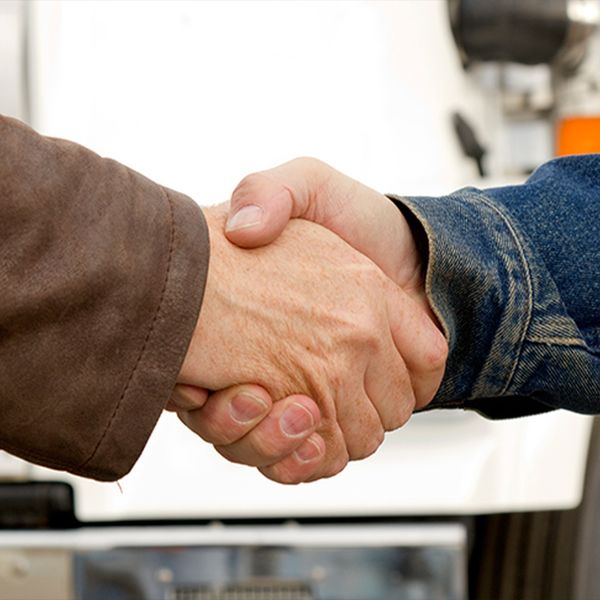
(401, 416)
(244, 187)
(374, 443)
(362, 326)
(435, 351)
(437, 359)
(401, 400)
(337, 466)
(336, 461)
(373, 338)
(308, 162)
(370, 320)
(368, 445)
(401, 406)
(433, 360)
(317, 173)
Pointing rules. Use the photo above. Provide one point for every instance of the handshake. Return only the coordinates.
(315, 333)
(315, 330)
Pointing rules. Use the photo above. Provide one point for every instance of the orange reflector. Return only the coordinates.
(578, 135)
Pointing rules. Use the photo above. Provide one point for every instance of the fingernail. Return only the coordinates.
(245, 407)
(247, 216)
(296, 419)
(308, 452)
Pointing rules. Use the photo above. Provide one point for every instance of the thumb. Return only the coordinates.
(263, 203)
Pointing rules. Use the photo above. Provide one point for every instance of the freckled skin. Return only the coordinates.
(307, 314)
(306, 188)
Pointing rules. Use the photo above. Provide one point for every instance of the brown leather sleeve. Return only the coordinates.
(102, 274)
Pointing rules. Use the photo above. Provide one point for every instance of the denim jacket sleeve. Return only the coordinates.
(514, 276)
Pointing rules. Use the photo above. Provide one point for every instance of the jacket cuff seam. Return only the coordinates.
(518, 307)
(525, 269)
(148, 334)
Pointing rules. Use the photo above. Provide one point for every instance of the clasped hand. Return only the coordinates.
(315, 294)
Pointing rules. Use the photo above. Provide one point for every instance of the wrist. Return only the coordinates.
(412, 274)
(203, 340)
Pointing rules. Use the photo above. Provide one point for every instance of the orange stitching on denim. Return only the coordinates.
(557, 341)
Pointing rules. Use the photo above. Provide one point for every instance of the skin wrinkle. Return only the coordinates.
(289, 380)
(277, 309)
(333, 197)
(321, 199)
(332, 200)
(363, 445)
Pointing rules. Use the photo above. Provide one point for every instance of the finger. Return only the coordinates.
(421, 344)
(390, 389)
(336, 454)
(289, 423)
(263, 203)
(186, 397)
(260, 209)
(300, 465)
(303, 187)
(360, 423)
(230, 414)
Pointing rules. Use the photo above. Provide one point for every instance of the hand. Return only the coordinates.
(309, 314)
(263, 203)
(243, 416)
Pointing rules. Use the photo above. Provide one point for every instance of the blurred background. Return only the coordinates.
(410, 97)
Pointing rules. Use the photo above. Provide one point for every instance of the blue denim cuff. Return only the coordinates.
(514, 350)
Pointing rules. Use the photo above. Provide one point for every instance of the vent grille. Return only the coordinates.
(253, 590)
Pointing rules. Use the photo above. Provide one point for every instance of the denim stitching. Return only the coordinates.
(556, 341)
(528, 280)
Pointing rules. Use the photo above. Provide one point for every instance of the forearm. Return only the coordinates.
(519, 315)
(559, 210)
(102, 274)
